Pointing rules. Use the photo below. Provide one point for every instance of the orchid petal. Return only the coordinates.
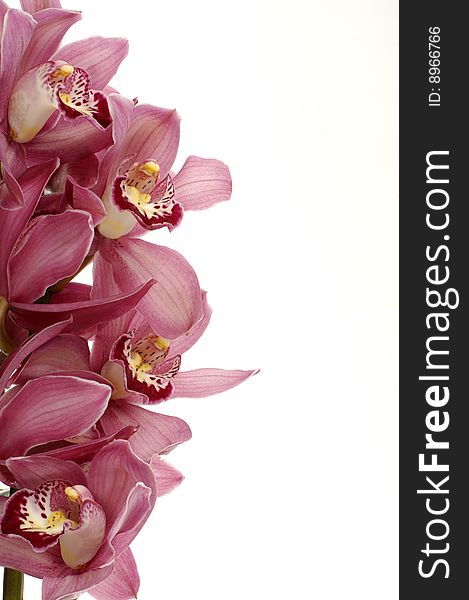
(207, 382)
(167, 477)
(11, 194)
(18, 554)
(114, 372)
(35, 415)
(15, 359)
(78, 546)
(85, 314)
(153, 133)
(86, 200)
(83, 173)
(84, 452)
(185, 342)
(156, 433)
(72, 584)
(12, 223)
(201, 183)
(31, 471)
(72, 141)
(33, 6)
(52, 25)
(112, 476)
(51, 248)
(72, 292)
(99, 56)
(174, 305)
(18, 28)
(123, 583)
(63, 353)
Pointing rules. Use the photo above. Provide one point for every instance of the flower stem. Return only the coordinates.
(12, 580)
(12, 584)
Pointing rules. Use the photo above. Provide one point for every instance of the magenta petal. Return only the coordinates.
(63, 353)
(35, 415)
(99, 56)
(11, 194)
(185, 342)
(12, 223)
(18, 554)
(15, 359)
(85, 314)
(71, 584)
(206, 382)
(174, 305)
(153, 133)
(156, 433)
(72, 292)
(84, 452)
(167, 477)
(32, 6)
(52, 25)
(123, 583)
(201, 183)
(72, 141)
(112, 476)
(52, 248)
(18, 28)
(31, 471)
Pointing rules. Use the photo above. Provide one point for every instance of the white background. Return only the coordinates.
(291, 479)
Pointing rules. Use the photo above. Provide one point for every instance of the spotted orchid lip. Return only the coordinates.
(52, 86)
(147, 368)
(57, 512)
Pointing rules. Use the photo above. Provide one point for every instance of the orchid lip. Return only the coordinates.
(52, 86)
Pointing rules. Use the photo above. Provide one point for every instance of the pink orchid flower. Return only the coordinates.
(72, 527)
(51, 99)
(142, 368)
(36, 253)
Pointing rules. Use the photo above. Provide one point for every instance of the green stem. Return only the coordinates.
(12, 580)
(12, 585)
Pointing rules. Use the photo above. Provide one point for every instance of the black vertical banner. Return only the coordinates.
(434, 282)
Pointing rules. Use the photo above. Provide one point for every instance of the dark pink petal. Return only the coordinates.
(85, 314)
(35, 415)
(153, 133)
(15, 359)
(72, 141)
(185, 342)
(52, 25)
(84, 452)
(112, 476)
(206, 382)
(201, 183)
(52, 248)
(31, 471)
(70, 584)
(72, 292)
(63, 353)
(18, 554)
(167, 477)
(12, 223)
(174, 305)
(32, 6)
(156, 433)
(11, 194)
(83, 173)
(99, 56)
(18, 28)
(123, 583)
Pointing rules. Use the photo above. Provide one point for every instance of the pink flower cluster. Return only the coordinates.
(85, 173)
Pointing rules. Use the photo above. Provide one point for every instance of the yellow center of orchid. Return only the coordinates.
(56, 518)
(136, 197)
(150, 168)
(72, 494)
(136, 361)
(63, 72)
